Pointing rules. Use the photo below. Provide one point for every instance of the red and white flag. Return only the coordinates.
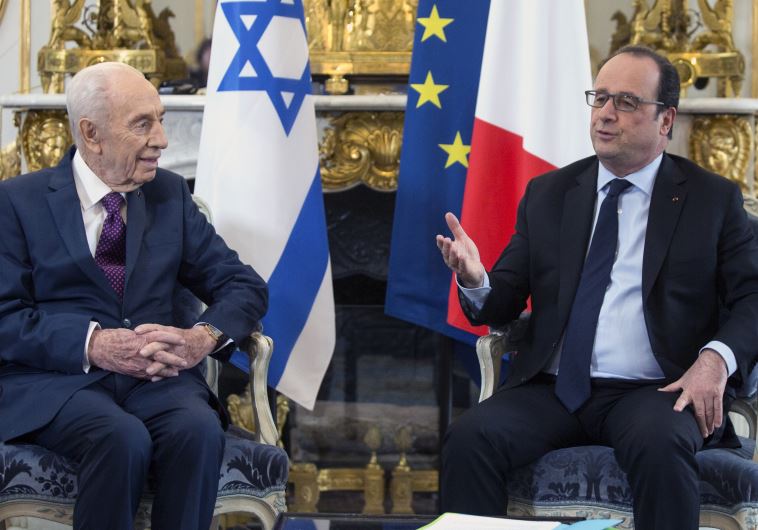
(531, 116)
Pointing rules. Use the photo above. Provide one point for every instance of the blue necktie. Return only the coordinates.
(573, 383)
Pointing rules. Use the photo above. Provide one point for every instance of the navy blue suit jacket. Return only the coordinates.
(51, 288)
(700, 255)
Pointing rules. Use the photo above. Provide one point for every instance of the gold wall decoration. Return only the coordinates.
(114, 30)
(25, 46)
(3, 5)
(359, 37)
(10, 160)
(362, 147)
(673, 29)
(722, 143)
(45, 137)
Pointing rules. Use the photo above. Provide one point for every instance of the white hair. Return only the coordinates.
(87, 94)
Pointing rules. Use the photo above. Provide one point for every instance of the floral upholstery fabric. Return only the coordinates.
(33, 473)
(590, 476)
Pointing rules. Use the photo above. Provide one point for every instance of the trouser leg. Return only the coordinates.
(656, 448)
(188, 444)
(113, 450)
(510, 429)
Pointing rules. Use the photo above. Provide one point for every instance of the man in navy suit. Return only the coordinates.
(629, 257)
(94, 365)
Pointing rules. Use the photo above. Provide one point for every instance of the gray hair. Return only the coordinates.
(87, 94)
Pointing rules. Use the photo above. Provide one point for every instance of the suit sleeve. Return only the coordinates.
(28, 335)
(509, 278)
(738, 286)
(236, 296)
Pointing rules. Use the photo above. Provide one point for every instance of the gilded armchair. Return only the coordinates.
(586, 481)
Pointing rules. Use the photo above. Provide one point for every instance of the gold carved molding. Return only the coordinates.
(723, 143)
(698, 41)
(359, 37)
(114, 30)
(362, 148)
(45, 137)
(10, 160)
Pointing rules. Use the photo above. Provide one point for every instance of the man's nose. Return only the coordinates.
(607, 111)
(158, 137)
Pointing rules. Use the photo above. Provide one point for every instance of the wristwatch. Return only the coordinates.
(216, 334)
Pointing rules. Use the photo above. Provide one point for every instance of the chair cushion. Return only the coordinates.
(590, 476)
(31, 472)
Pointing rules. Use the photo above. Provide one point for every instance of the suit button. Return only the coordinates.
(126, 323)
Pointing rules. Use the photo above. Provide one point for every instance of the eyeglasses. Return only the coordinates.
(622, 102)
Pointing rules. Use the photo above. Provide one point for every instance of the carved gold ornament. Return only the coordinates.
(698, 41)
(722, 144)
(45, 138)
(126, 31)
(10, 160)
(362, 147)
(359, 37)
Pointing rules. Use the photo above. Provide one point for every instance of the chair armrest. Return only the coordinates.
(260, 349)
(489, 350)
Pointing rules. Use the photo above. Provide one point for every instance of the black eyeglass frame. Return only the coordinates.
(631, 98)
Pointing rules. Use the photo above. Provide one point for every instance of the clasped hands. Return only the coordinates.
(150, 351)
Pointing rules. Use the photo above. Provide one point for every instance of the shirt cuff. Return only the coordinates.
(85, 361)
(221, 347)
(477, 295)
(726, 353)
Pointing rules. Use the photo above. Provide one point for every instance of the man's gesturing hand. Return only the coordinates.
(117, 350)
(461, 254)
(702, 387)
(166, 343)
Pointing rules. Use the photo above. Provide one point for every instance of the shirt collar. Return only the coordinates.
(89, 187)
(642, 179)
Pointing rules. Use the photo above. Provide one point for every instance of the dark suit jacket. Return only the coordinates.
(51, 288)
(700, 255)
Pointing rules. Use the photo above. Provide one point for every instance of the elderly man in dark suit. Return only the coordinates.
(93, 368)
(628, 257)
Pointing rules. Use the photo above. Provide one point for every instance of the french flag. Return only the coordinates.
(530, 117)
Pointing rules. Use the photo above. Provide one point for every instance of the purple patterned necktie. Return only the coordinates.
(110, 254)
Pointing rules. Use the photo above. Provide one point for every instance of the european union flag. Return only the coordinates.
(444, 80)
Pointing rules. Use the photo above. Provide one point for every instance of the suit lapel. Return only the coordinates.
(576, 226)
(669, 194)
(135, 228)
(64, 205)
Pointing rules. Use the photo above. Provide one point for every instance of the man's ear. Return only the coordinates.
(90, 135)
(668, 120)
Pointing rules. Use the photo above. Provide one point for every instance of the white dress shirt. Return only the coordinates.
(622, 347)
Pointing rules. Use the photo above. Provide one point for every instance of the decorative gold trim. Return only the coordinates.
(10, 160)
(722, 143)
(45, 137)
(25, 49)
(3, 5)
(362, 148)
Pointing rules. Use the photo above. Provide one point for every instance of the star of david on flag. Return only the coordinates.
(258, 171)
(286, 84)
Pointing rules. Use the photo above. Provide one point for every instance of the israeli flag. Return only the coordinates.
(258, 171)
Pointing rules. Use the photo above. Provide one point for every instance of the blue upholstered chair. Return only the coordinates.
(35, 482)
(586, 480)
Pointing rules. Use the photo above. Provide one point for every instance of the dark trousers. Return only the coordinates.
(119, 428)
(654, 445)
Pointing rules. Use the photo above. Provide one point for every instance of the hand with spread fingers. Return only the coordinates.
(702, 387)
(167, 344)
(461, 255)
(117, 350)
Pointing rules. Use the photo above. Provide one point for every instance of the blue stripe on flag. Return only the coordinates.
(295, 282)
